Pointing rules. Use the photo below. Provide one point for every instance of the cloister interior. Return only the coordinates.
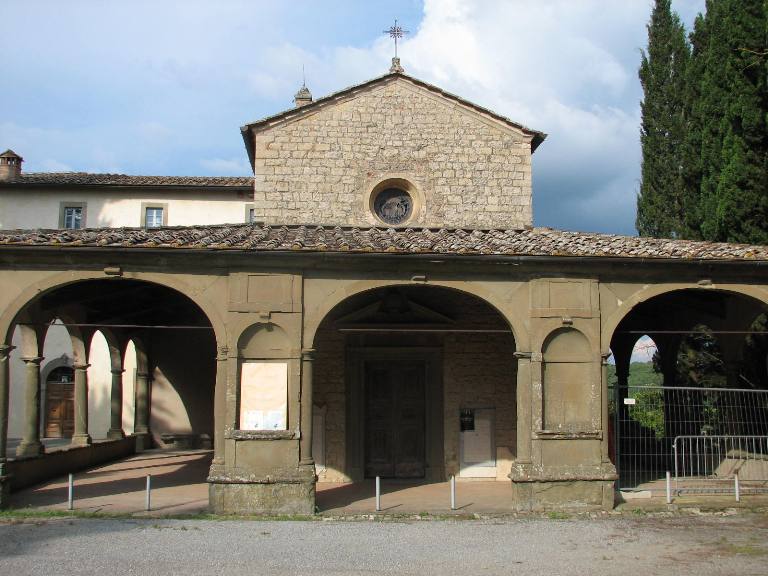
(412, 383)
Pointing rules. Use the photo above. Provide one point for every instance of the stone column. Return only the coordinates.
(30, 444)
(5, 485)
(219, 409)
(5, 352)
(141, 420)
(116, 406)
(305, 446)
(81, 436)
(524, 415)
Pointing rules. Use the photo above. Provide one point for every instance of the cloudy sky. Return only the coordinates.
(162, 86)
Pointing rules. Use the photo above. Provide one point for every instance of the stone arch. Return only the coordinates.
(32, 293)
(264, 340)
(452, 345)
(517, 323)
(651, 291)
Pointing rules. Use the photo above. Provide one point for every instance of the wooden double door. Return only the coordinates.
(59, 410)
(395, 421)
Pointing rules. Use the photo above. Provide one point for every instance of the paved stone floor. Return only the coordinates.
(599, 546)
(179, 487)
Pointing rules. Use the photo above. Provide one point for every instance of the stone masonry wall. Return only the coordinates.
(469, 170)
(479, 371)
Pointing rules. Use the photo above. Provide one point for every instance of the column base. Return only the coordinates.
(82, 440)
(143, 441)
(115, 434)
(27, 449)
(268, 496)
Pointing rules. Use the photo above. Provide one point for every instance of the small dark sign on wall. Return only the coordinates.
(467, 419)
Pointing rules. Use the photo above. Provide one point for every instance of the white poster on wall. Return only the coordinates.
(264, 396)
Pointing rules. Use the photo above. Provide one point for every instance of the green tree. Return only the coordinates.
(728, 103)
(660, 203)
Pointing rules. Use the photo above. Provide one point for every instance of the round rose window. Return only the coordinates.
(393, 205)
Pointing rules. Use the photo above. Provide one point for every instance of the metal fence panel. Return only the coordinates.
(703, 435)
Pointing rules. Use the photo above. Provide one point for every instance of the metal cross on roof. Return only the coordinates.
(396, 32)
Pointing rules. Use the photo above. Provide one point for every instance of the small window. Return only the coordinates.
(154, 217)
(73, 217)
(251, 215)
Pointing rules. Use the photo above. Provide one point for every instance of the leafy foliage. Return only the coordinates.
(660, 206)
(705, 132)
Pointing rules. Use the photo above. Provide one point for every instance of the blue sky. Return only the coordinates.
(162, 86)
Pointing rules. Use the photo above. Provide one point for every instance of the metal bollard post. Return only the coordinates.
(736, 487)
(669, 487)
(378, 493)
(148, 506)
(71, 493)
(453, 492)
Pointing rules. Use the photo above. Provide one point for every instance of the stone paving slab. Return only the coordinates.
(178, 485)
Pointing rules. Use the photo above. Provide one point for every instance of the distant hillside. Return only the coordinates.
(640, 374)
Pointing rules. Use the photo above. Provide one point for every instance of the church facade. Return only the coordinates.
(391, 311)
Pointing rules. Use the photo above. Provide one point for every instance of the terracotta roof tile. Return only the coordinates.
(88, 179)
(533, 242)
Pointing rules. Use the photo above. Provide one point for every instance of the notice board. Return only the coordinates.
(264, 396)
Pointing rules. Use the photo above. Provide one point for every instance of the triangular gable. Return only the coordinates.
(294, 114)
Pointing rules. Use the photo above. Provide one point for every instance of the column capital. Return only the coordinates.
(32, 359)
(80, 366)
(117, 371)
(5, 351)
(142, 374)
(522, 355)
(222, 353)
(308, 354)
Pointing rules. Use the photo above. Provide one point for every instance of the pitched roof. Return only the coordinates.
(538, 137)
(245, 237)
(88, 179)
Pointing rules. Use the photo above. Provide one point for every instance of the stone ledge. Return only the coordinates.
(561, 435)
(262, 435)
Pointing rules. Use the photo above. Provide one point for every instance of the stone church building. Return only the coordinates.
(391, 311)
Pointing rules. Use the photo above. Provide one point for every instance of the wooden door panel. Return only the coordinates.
(59, 410)
(395, 420)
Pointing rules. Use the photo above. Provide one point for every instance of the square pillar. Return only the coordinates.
(141, 420)
(116, 406)
(81, 436)
(5, 484)
(305, 446)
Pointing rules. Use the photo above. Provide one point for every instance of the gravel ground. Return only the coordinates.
(701, 545)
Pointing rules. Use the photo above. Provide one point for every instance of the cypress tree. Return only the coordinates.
(729, 104)
(660, 203)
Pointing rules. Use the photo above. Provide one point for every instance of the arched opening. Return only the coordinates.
(125, 358)
(412, 384)
(689, 392)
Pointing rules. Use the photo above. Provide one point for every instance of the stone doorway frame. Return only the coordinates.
(432, 357)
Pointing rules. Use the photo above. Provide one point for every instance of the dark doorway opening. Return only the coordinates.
(395, 419)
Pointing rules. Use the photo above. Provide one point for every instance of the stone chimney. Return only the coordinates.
(303, 97)
(396, 68)
(10, 165)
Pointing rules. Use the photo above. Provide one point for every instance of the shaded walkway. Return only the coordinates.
(178, 485)
(414, 497)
